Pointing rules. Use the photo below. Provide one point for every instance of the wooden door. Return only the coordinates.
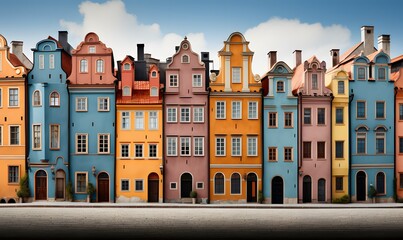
(41, 188)
(103, 187)
(251, 188)
(321, 190)
(153, 187)
(60, 184)
(277, 190)
(361, 186)
(186, 185)
(307, 189)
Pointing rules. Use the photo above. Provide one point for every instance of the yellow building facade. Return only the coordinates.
(12, 123)
(338, 81)
(235, 126)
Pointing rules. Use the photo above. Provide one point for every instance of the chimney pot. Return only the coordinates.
(335, 53)
(367, 36)
(298, 57)
(272, 58)
(384, 43)
(140, 52)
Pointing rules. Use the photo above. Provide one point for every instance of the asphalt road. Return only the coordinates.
(199, 223)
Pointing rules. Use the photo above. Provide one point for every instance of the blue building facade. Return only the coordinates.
(47, 131)
(372, 127)
(280, 133)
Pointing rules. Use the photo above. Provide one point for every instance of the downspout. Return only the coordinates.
(68, 137)
(299, 139)
(262, 138)
(163, 145)
(394, 140)
(331, 146)
(114, 162)
(349, 143)
(208, 144)
(26, 124)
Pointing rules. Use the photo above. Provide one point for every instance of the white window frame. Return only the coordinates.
(92, 49)
(126, 91)
(125, 120)
(365, 109)
(183, 142)
(1, 92)
(234, 114)
(135, 150)
(358, 73)
(125, 66)
(197, 80)
(383, 69)
(9, 97)
(252, 151)
(218, 153)
(156, 150)
(19, 135)
(1, 134)
(362, 135)
(101, 102)
(380, 135)
(51, 138)
(51, 61)
(86, 143)
(83, 66)
(34, 102)
(154, 92)
(128, 150)
(223, 113)
(54, 102)
(198, 114)
(34, 137)
(142, 185)
(173, 188)
(175, 116)
(384, 109)
(196, 141)
(139, 120)
(85, 104)
(16, 174)
(153, 120)
(41, 59)
(236, 75)
(292, 119)
(128, 185)
(108, 138)
(277, 86)
(315, 81)
(76, 182)
(173, 80)
(252, 114)
(99, 66)
(182, 117)
(174, 150)
(236, 151)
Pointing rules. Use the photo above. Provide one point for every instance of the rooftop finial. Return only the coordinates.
(186, 38)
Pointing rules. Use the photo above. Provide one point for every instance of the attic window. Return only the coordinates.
(153, 74)
(91, 49)
(185, 59)
(126, 91)
(154, 92)
(126, 66)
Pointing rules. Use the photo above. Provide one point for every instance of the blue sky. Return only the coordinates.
(312, 26)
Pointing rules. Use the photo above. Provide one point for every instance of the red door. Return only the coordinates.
(103, 187)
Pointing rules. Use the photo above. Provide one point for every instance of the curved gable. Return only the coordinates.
(281, 68)
(382, 58)
(185, 50)
(361, 59)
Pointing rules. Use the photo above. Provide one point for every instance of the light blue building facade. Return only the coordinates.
(280, 133)
(47, 126)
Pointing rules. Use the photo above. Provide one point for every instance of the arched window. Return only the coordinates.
(154, 92)
(126, 91)
(153, 74)
(37, 98)
(83, 66)
(219, 183)
(126, 66)
(185, 59)
(380, 183)
(235, 183)
(100, 66)
(54, 99)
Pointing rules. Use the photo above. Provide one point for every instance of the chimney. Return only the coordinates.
(298, 57)
(16, 48)
(367, 36)
(140, 52)
(335, 56)
(384, 43)
(205, 57)
(176, 48)
(63, 38)
(272, 58)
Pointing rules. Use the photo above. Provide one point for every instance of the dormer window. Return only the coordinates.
(361, 73)
(315, 81)
(340, 87)
(153, 73)
(185, 59)
(382, 73)
(126, 66)
(280, 86)
(91, 49)
(236, 75)
(126, 91)
(154, 92)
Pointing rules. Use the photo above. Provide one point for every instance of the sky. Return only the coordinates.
(313, 26)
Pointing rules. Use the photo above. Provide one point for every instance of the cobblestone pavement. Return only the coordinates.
(199, 223)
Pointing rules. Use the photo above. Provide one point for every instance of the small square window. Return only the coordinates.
(172, 185)
(124, 185)
(139, 185)
(199, 185)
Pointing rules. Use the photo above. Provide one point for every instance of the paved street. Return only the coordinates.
(200, 223)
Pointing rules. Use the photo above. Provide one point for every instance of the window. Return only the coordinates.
(287, 153)
(1, 135)
(361, 143)
(13, 97)
(41, 61)
(185, 146)
(172, 146)
(54, 136)
(321, 116)
(185, 114)
(380, 183)
(153, 73)
(103, 143)
(13, 174)
(339, 115)
(340, 87)
(36, 134)
(307, 116)
(152, 150)
(14, 135)
(197, 80)
(401, 111)
(272, 119)
(236, 146)
(83, 66)
(315, 81)
(81, 143)
(220, 110)
(171, 114)
(361, 109)
(272, 154)
(200, 185)
(198, 114)
(126, 66)
(380, 143)
(280, 86)
(307, 149)
(361, 73)
(153, 120)
(252, 146)
(172, 185)
(1, 91)
(37, 98)
(81, 104)
(401, 180)
(125, 120)
(103, 104)
(81, 184)
(126, 91)
(320, 149)
(339, 183)
(124, 185)
(154, 92)
(100, 66)
(91, 49)
(139, 120)
(219, 183)
(139, 185)
(51, 61)
(235, 183)
(54, 99)
(198, 146)
(185, 59)
(220, 146)
(288, 123)
(138, 150)
(380, 109)
(381, 73)
(252, 110)
(173, 80)
(339, 149)
(124, 150)
(236, 75)
(236, 110)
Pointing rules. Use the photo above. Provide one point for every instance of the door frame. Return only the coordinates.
(46, 181)
(149, 185)
(180, 181)
(109, 186)
(247, 188)
(64, 184)
(324, 189)
(272, 192)
(303, 189)
(365, 185)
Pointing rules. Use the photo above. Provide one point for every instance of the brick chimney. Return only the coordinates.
(297, 57)
(384, 43)
(272, 58)
(367, 36)
(335, 53)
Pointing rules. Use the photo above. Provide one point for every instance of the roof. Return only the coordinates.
(139, 97)
(15, 61)
(397, 77)
(297, 80)
(350, 51)
(396, 59)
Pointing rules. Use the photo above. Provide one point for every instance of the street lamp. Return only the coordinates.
(93, 170)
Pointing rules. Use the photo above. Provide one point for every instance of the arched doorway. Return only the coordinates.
(321, 190)
(186, 185)
(41, 186)
(277, 190)
(3, 201)
(251, 188)
(307, 189)
(361, 186)
(153, 187)
(11, 200)
(60, 184)
(103, 187)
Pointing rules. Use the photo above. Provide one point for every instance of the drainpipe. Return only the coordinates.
(349, 142)
(163, 144)
(394, 140)
(208, 143)
(331, 146)
(262, 137)
(26, 124)
(68, 135)
(299, 139)
(116, 127)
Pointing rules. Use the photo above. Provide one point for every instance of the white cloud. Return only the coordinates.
(286, 35)
(121, 31)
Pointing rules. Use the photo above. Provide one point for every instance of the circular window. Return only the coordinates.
(185, 46)
(280, 69)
